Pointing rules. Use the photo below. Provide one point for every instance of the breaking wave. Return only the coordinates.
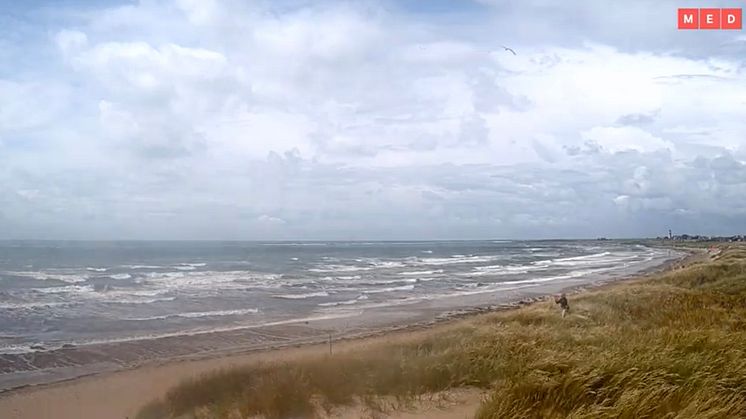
(391, 289)
(198, 314)
(45, 276)
(302, 296)
(439, 271)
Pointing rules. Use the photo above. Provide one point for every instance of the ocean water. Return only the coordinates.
(57, 293)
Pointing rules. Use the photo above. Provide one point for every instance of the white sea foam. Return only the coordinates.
(139, 301)
(302, 296)
(16, 349)
(198, 314)
(338, 303)
(295, 244)
(113, 293)
(391, 289)
(107, 295)
(369, 264)
(600, 260)
(212, 280)
(32, 305)
(46, 276)
(344, 303)
(569, 275)
(583, 257)
(96, 269)
(387, 264)
(375, 282)
(189, 266)
(439, 271)
(592, 259)
(544, 263)
(339, 268)
(121, 276)
(456, 259)
(164, 275)
(68, 289)
(497, 270)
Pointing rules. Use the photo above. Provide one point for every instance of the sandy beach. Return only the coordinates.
(121, 394)
(129, 375)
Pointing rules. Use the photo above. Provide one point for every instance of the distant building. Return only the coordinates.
(702, 238)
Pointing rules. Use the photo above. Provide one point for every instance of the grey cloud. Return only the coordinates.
(637, 119)
(338, 202)
(473, 130)
(271, 124)
(545, 153)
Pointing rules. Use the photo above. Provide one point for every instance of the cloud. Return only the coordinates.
(269, 220)
(226, 119)
(616, 139)
(637, 118)
(28, 105)
(70, 41)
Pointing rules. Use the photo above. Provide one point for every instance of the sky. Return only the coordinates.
(368, 120)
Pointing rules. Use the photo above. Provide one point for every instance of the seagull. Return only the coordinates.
(508, 49)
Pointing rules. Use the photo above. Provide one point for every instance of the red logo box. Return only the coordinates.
(731, 19)
(688, 18)
(709, 18)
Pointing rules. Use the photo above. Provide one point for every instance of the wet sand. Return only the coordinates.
(115, 380)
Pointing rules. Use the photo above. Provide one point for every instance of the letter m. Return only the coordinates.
(688, 19)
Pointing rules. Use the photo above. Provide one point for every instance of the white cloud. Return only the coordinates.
(269, 220)
(616, 139)
(364, 120)
(70, 41)
(140, 66)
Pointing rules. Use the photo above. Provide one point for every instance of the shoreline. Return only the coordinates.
(151, 378)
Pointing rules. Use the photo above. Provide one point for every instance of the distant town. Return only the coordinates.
(699, 238)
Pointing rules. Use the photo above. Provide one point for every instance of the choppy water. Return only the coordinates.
(83, 292)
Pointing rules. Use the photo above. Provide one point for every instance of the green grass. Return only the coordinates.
(673, 346)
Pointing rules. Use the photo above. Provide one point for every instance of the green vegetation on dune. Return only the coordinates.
(672, 346)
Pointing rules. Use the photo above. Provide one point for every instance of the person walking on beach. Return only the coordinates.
(562, 301)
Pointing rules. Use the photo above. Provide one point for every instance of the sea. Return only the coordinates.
(56, 294)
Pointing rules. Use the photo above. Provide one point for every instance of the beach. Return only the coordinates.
(121, 394)
(80, 381)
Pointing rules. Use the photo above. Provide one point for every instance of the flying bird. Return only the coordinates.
(508, 49)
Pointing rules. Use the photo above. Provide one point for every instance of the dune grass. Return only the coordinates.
(672, 346)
